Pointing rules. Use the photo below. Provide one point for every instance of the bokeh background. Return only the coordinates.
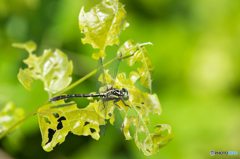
(195, 52)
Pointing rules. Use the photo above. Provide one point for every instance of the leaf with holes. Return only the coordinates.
(142, 104)
(137, 52)
(102, 25)
(52, 68)
(9, 115)
(57, 122)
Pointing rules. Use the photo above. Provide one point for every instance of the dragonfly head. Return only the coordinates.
(125, 93)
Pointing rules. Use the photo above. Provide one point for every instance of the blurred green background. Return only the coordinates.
(195, 52)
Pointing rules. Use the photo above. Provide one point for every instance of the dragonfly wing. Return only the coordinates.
(118, 123)
(103, 110)
(114, 69)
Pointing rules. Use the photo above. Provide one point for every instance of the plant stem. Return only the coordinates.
(61, 92)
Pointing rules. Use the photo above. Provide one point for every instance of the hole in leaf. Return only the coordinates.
(56, 115)
(138, 108)
(60, 125)
(148, 150)
(163, 142)
(55, 65)
(62, 118)
(164, 132)
(141, 136)
(144, 115)
(86, 123)
(92, 130)
(47, 121)
(51, 133)
(142, 103)
(110, 114)
(55, 78)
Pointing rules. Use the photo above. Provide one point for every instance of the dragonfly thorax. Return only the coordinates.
(113, 92)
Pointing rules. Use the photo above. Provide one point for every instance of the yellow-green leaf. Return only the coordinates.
(62, 120)
(25, 78)
(52, 68)
(137, 52)
(142, 104)
(102, 25)
(9, 116)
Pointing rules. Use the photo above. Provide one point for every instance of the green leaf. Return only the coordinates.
(102, 25)
(52, 68)
(137, 52)
(62, 120)
(142, 104)
(25, 78)
(9, 116)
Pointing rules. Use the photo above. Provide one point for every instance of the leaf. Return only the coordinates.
(52, 68)
(102, 25)
(142, 104)
(25, 78)
(137, 52)
(62, 120)
(10, 115)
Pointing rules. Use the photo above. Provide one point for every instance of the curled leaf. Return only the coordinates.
(142, 104)
(137, 52)
(9, 115)
(102, 25)
(52, 68)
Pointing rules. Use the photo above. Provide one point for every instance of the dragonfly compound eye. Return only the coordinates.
(125, 95)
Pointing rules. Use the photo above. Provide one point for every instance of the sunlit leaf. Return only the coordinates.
(9, 116)
(137, 52)
(25, 78)
(56, 123)
(52, 68)
(102, 25)
(143, 104)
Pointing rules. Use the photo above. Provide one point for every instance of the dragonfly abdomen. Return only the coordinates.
(75, 95)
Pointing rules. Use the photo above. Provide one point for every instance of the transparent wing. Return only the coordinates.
(100, 68)
(103, 103)
(113, 69)
(118, 123)
(103, 109)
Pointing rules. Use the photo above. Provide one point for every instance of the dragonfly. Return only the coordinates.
(106, 93)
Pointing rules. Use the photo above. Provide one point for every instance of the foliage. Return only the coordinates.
(10, 115)
(101, 26)
(51, 68)
(135, 53)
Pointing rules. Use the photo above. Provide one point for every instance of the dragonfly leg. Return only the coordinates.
(103, 106)
(124, 103)
(116, 101)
